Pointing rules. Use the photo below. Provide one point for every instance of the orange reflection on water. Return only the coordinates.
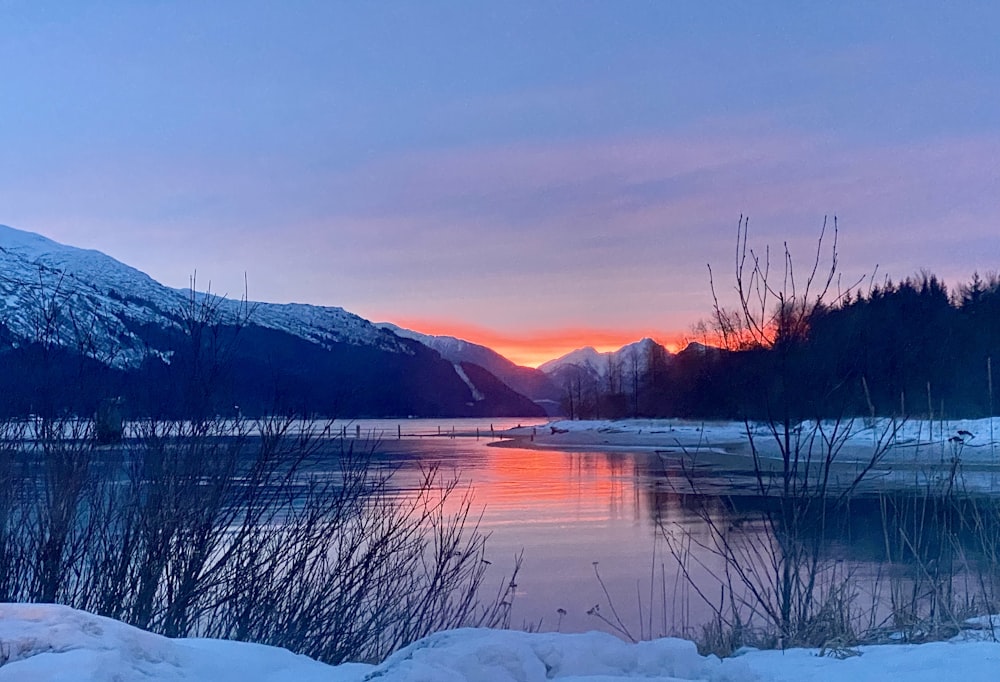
(530, 487)
(571, 514)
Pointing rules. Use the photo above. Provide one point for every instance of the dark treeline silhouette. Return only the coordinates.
(910, 348)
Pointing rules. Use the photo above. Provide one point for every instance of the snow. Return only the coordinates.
(456, 350)
(973, 441)
(587, 356)
(447, 346)
(499, 656)
(911, 453)
(47, 643)
(477, 395)
(97, 301)
(597, 362)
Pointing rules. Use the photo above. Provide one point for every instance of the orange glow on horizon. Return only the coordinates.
(534, 348)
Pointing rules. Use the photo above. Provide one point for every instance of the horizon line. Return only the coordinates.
(534, 348)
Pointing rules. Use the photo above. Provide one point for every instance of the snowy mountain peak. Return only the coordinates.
(87, 300)
(587, 356)
(598, 363)
(447, 346)
(27, 243)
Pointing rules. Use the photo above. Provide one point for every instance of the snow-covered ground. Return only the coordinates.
(910, 452)
(44, 643)
(975, 440)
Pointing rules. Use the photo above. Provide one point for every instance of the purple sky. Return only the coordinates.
(513, 170)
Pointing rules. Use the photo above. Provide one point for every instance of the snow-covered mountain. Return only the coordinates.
(87, 299)
(58, 302)
(450, 347)
(597, 365)
(527, 381)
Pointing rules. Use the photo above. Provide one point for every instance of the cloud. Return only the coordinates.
(620, 230)
(593, 233)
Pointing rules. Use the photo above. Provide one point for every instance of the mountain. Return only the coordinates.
(77, 326)
(527, 381)
(631, 358)
(103, 299)
(615, 384)
(586, 370)
(587, 357)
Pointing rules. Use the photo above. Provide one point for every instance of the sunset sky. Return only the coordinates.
(534, 176)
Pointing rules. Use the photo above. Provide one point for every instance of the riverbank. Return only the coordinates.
(664, 435)
(898, 453)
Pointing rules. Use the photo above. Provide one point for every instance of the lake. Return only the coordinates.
(572, 514)
(593, 521)
(565, 511)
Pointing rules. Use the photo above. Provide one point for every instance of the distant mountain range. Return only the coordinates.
(548, 384)
(78, 327)
(527, 381)
(633, 357)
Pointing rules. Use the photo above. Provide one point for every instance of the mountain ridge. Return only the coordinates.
(527, 381)
(598, 363)
(58, 302)
(35, 268)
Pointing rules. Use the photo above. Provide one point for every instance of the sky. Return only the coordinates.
(534, 176)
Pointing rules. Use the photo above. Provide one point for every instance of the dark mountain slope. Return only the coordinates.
(77, 327)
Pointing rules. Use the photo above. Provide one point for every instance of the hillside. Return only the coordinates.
(528, 381)
(77, 326)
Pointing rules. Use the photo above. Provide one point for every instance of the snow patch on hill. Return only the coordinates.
(477, 395)
(57, 294)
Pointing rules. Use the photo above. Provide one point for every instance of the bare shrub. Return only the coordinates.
(262, 531)
(776, 583)
(265, 530)
(941, 546)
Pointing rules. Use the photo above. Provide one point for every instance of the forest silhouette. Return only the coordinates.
(902, 349)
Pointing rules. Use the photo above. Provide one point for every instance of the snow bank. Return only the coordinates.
(935, 662)
(974, 434)
(45, 643)
(912, 453)
(973, 439)
(505, 656)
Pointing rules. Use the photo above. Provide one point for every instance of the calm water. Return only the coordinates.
(574, 514)
(569, 512)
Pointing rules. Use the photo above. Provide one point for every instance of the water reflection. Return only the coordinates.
(566, 511)
(577, 514)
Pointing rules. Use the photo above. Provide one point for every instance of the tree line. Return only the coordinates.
(901, 349)
(911, 348)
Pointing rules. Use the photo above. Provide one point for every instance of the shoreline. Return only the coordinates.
(910, 454)
(599, 438)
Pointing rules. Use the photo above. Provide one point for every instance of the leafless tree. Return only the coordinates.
(782, 575)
